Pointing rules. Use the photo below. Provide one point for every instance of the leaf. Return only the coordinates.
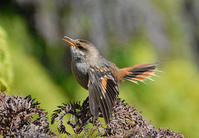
(5, 66)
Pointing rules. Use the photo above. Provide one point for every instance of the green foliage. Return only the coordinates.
(5, 65)
(171, 101)
(29, 77)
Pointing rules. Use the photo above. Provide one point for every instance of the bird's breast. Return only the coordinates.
(80, 71)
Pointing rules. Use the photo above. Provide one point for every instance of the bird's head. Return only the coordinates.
(81, 50)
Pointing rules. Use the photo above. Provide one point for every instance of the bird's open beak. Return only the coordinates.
(69, 40)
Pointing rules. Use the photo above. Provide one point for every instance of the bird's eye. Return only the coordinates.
(80, 47)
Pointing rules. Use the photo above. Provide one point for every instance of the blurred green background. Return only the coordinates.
(34, 59)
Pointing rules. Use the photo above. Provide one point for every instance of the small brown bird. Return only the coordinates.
(101, 77)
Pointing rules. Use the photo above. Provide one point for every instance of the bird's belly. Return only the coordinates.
(80, 71)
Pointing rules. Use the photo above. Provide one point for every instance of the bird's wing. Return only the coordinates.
(103, 90)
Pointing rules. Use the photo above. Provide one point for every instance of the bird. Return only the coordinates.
(101, 77)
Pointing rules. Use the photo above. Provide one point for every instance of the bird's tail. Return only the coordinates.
(138, 72)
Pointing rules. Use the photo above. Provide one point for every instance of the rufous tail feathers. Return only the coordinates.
(138, 72)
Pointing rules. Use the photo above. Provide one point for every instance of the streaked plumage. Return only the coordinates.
(101, 77)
